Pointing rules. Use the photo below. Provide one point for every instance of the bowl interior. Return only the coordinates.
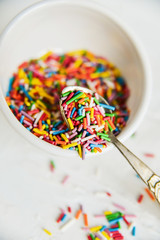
(64, 26)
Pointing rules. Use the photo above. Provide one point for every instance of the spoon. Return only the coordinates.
(145, 173)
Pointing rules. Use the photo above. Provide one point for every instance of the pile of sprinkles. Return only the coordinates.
(35, 89)
(110, 231)
(87, 120)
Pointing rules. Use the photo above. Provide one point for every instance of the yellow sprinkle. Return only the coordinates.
(95, 229)
(103, 122)
(78, 63)
(118, 87)
(46, 55)
(80, 150)
(36, 81)
(51, 137)
(48, 232)
(64, 137)
(26, 102)
(90, 55)
(92, 113)
(78, 52)
(70, 123)
(55, 138)
(43, 126)
(97, 238)
(109, 92)
(107, 213)
(117, 72)
(70, 145)
(48, 121)
(36, 130)
(95, 75)
(105, 74)
(106, 235)
(95, 150)
(41, 104)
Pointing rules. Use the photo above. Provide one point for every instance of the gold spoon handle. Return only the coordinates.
(145, 173)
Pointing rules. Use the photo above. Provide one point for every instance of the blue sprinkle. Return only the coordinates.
(64, 217)
(103, 228)
(12, 107)
(59, 132)
(113, 229)
(134, 231)
(73, 110)
(107, 106)
(57, 124)
(25, 92)
(10, 83)
(20, 108)
(28, 129)
(22, 118)
(96, 145)
(115, 220)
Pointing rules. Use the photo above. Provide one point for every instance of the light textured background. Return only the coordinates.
(30, 195)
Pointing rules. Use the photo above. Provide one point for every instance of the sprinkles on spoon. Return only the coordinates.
(87, 120)
(34, 93)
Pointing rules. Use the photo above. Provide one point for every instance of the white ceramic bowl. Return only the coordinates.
(66, 25)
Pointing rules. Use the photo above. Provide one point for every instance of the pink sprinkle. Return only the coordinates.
(65, 179)
(99, 216)
(119, 206)
(84, 134)
(73, 135)
(80, 127)
(151, 155)
(27, 123)
(86, 144)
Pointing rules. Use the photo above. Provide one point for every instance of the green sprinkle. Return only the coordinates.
(91, 235)
(66, 93)
(74, 98)
(62, 59)
(102, 134)
(105, 138)
(119, 225)
(79, 118)
(110, 128)
(114, 216)
(96, 101)
(109, 114)
(52, 163)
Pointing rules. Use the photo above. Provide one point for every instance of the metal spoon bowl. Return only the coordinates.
(146, 174)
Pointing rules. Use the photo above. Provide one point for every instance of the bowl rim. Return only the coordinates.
(98, 6)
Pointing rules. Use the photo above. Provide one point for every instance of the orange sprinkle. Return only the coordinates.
(98, 149)
(106, 127)
(40, 125)
(150, 194)
(60, 142)
(98, 120)
(87, 109)
(85, 220)
(84, 123)
(111, 124)
(78, 214)
(81, 100)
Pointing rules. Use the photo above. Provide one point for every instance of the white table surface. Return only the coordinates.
(31, 195)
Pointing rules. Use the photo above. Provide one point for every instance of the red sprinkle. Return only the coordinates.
(140, 198)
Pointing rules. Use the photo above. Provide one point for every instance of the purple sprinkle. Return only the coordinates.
(27, 123)
(27, 115)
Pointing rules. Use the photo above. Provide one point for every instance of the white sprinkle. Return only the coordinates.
(38, 117)
(67, 225)
(87, 138)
